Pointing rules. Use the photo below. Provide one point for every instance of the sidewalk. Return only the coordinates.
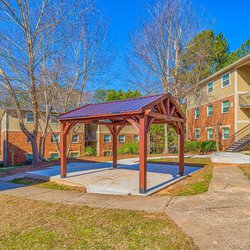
(220, 218)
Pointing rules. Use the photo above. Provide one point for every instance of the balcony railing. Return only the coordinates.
(245, 100)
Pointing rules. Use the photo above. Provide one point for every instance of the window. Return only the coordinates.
(121, 138)
(53, 119)
(197, 134)
(30, 117)
(54, 156)
(28, 140)
(210, 87)
(29, 157)
(136, 138)
(225, 80)
(210, 134)
(75, 139)
(210, 110)
(74, 155)
(54, 138)
(225, 133)
(106, 138)
(197, 113)
(225, 107)
(107, 153)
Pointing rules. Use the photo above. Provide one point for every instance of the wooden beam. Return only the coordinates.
(134, 124)
(63, 149)
(181, 150)
(149, 112)
(143, 155)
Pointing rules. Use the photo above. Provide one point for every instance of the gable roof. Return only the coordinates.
(116, 108)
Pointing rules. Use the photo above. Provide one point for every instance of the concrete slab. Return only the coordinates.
(25, 191)
(102, 178)
(55, 196)
(232, 158)
(94, 200)
(137, 203)
(223, 229)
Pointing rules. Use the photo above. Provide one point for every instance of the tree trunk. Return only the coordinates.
(36, 158)
(166, 139)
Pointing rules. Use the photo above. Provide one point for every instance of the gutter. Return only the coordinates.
(6, 127)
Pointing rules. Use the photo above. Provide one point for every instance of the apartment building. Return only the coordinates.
(15, 147)
(219, 109)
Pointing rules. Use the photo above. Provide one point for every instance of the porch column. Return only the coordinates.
(143, 155)
(181, 150)
(63, 149)
(114, 143)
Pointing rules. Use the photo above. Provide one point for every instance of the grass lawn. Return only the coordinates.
(46, 184)
(196, 183)
(27, 224)
(246, 169)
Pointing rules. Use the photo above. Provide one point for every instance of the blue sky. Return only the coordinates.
(232, 18)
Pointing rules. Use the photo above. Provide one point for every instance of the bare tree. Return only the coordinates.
(160, 39)
(30, 33)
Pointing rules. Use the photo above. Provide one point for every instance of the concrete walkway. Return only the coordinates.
(220, 218)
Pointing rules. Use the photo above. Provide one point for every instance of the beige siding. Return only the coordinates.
(219, 92)
(126, 129)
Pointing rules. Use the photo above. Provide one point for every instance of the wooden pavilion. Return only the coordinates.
(140, 113)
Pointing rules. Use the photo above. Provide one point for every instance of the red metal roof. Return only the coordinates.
(110, 108)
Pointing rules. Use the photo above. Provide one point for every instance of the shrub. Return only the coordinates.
(90, 151)
(197, 146)
(208, 146)
(191, 146)
(129, 148)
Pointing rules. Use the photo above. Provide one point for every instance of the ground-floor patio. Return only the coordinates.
(102, 178)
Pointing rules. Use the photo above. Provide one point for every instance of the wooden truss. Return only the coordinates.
(163, 110)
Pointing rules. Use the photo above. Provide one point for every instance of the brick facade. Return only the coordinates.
(107, 146)
(18, 148)
(216, 122)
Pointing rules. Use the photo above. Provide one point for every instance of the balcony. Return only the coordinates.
(244, 100)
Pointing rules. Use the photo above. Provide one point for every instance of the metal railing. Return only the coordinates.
(244, 100)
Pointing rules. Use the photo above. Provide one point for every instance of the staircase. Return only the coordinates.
(238, 145)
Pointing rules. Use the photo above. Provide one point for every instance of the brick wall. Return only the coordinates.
(18, 147)
(107, 146)
(205, 122)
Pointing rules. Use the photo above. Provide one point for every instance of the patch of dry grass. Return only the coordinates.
(246, 169)
(195, 183)
(27, 224)
(46, 184)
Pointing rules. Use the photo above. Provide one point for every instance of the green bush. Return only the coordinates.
(192, 146)
(129, 148)
(208, 146)
(197, 146)
(90, 151)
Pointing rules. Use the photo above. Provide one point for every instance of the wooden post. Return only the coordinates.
(63, 149)
(143, 155)
(181, 150)
(114, 141)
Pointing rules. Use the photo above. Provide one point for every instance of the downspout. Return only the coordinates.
(6, 130)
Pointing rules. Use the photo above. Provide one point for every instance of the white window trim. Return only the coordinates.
(109, 138)
(223, 133)
(228, 79)
(50, 153)
(208, 88)
(208, 129)
(27, 117)
(207, 110)
(222, 107)
(137, 137)
(55, 138)
(196, 118)
(197, 129)
(78, 153)
(53, 122)
(77, 139)
(122, 141)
